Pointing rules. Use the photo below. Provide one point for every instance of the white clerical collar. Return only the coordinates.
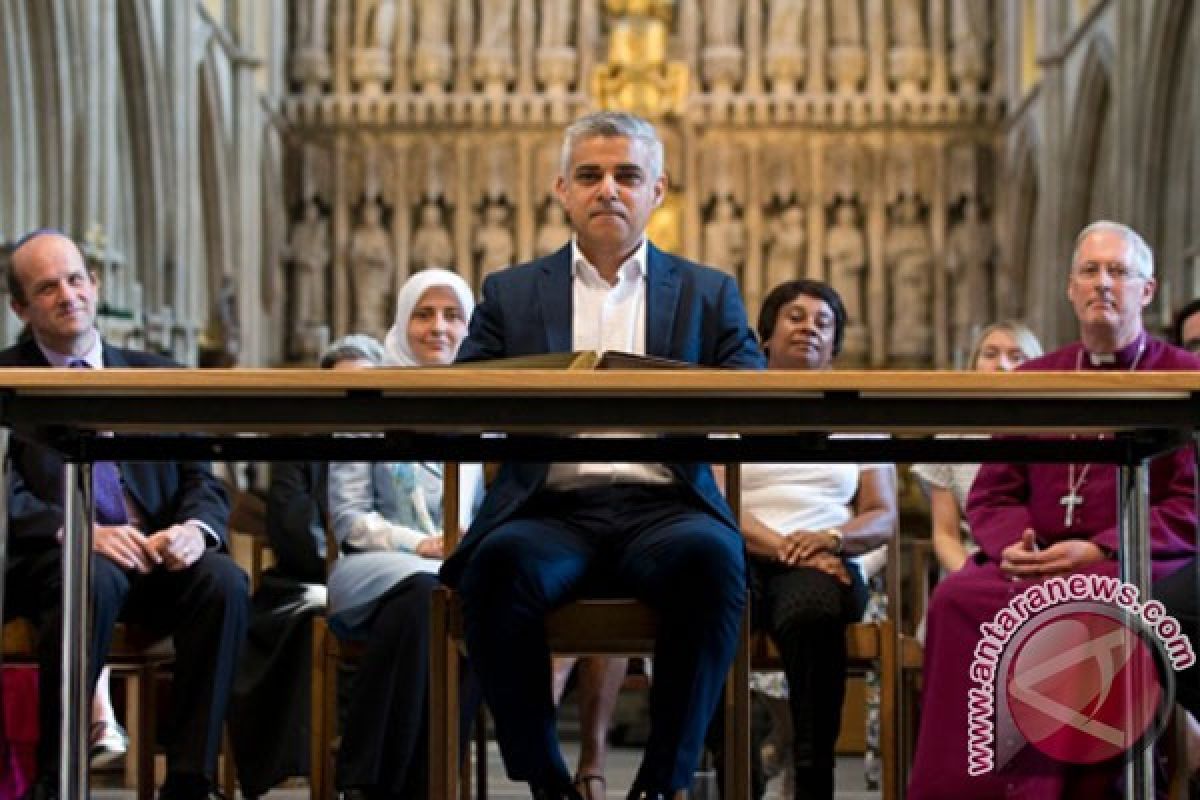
(1129, 355)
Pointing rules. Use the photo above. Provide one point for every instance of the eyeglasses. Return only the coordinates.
(1116, 271)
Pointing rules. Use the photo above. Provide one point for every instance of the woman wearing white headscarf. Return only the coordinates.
(388, 523)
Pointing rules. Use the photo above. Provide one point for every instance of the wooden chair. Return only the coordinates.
(619, 626)
(134, 655)
(328, 653)
(879, 646)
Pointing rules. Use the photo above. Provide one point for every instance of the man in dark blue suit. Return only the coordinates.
(160, 551)
(661, 532)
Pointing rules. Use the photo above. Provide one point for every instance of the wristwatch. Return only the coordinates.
(837, 538)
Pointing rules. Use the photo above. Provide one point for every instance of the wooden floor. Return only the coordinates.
(621, 768)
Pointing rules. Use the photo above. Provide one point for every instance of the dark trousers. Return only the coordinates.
(1179, 592)
(805, 612)
(643, 541)
(204, 608)
(385, 743)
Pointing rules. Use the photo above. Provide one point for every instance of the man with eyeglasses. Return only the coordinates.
(1037, 521)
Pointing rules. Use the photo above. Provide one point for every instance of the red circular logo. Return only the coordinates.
(1083, 687)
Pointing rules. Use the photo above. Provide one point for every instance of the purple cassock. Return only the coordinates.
(1004, 501)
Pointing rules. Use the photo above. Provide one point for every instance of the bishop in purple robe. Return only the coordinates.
(1035, 521)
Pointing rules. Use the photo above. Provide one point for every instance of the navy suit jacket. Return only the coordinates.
(166, 493)
(693, 314)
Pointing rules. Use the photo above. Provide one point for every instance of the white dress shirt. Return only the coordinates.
(607, 317)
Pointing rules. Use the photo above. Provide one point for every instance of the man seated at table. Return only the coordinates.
(659, 532)
(160, 554)
(1036, 521)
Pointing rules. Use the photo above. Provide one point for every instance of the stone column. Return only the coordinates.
(938, 83)
(752, 31)
(940, 321)
(340, 318)
(753, 281)
(464, 213)
(341, 52)
(247, 230)
(525, 197)
(183, 261)
(875, 29)
(463, 46)
(402, 206)
(878, 285)
(818, 48)
(815, 212)
(526, 43)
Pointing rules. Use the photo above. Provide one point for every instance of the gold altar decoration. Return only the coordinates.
(637, 76)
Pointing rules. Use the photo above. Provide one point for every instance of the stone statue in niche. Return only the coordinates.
(721, 23)
(310, 62)
(494, 245)
(970, 256)
(432, 54)
(846, 253)
(785, 238)
(555, 24)
(554, 231)
(374, 31)
(970, 37)
(308, 251)
(431, 244)
(555, 55)
(847, 55)
(494, 54)
(908, 58)
(907, 254)
(722, 55)
(786, 55)
(371, 268)
(725, 237)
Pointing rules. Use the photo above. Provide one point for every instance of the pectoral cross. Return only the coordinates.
(1070, 500)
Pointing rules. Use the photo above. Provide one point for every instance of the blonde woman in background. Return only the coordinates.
(1001, 347)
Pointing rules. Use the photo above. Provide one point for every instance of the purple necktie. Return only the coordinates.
(106, 481)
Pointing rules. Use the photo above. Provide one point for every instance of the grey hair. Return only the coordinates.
(1143, 257)
(608, 124)
(357, 346)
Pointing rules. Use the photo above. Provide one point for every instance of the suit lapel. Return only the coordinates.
(554, 293)
(662, 301)
(114, 357)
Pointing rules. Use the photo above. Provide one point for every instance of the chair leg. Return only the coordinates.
(443, 702)
(318, 753)
(737, 716)
(889, 710)
(228, 771)
(145, 723)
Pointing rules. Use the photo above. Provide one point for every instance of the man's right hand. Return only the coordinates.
(126, 546)
(1023, 558)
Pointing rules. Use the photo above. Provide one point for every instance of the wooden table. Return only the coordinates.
(490, 414)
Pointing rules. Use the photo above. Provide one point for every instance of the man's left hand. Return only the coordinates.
(180, 546)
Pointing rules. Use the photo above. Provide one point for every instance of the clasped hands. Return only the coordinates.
(1024, 559)
(174, 548)
(815, 549)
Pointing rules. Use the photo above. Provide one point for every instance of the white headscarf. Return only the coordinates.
(399, 353)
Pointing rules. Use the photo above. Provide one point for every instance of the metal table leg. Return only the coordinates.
(77, 563)
(1133, 510)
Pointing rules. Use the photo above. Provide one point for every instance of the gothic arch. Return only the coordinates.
(141, 89)
(1022, 216)
(1168, 193)
(1089, 133)
(1167, 37)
